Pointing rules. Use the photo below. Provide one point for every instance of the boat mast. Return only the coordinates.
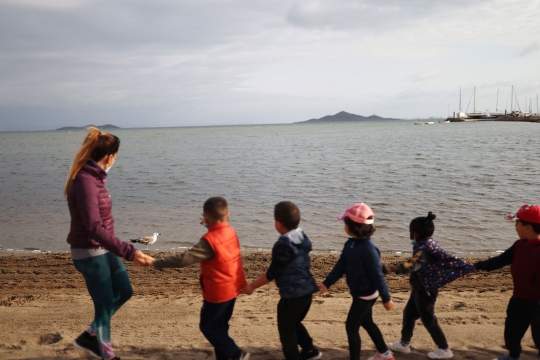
(537, 112)
(474, 103)
(512, 100)
(460, 98)
(497, 102)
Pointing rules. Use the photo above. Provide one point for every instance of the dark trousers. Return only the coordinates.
(519, 315)
(290, 313)
(421, 305)
(215, 327)
(361, 314)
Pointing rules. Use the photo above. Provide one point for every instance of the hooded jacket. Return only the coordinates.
(92, 222)
(360, 262)
(296, 279)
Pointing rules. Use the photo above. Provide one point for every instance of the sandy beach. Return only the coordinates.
(44, 305)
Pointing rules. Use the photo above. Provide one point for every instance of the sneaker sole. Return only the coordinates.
(316, 357)
(446, 357)
(85, 349)
(399, 350)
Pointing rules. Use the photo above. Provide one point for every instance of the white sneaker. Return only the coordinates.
(379, 356)
(398, 346)
(440, 354)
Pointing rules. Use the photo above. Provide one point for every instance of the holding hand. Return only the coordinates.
(247, 290)
(387, 269)
(388, 305)
(143, 260)
(322, 288)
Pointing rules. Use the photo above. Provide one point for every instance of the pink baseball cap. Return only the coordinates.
(529, 213)
(359, 213)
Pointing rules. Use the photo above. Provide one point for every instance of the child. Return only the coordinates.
(523, 256)
(360, 262)
(290, 268)
(430, 267)
(222, 276)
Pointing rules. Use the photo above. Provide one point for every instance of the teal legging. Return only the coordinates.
(109, 287)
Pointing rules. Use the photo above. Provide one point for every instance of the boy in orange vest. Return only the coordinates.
(222, 276)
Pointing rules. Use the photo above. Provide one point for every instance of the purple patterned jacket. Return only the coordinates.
(433, 267)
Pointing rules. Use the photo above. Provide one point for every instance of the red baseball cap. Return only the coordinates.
(529, 213)
(359, 213)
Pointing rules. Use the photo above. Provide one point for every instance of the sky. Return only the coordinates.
(153, 63)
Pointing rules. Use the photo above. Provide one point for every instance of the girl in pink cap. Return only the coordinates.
(360, 261)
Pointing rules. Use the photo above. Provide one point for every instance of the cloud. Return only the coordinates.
(370, 14)
(425, 75)
(240, 61)
(531, 48)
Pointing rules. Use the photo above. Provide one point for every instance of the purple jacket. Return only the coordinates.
(92, 223)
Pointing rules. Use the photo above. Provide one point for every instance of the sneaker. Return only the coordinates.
(506, 357)
(379, 356)
(399, 346)
(440, 354)
(310, 355)
(88, 343)
(243, 356)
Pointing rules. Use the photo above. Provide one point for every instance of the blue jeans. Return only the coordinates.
(109, 287)
(215, 327)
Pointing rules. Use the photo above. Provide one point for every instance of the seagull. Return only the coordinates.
(146, 240)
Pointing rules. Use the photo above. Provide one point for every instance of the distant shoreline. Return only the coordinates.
(344, 116)
(76, 128)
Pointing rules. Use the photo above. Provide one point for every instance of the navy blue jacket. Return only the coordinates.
(360, 262)
(294, 278)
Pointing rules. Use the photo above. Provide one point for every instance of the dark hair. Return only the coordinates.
(423, 226)
(107, 144)
(535, 226)
(216, 208)
(287, 214)
(360, 231)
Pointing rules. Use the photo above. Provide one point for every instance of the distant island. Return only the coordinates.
(75, 128)
(343, 116)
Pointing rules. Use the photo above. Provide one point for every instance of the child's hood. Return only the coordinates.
(298, 238)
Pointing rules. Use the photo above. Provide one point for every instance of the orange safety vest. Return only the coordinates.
(223, 276)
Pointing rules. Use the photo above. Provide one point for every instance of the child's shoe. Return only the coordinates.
(399, 346)
(310, 355)
(440, 354)
(388, 355)
(88, 343)
(506, 357)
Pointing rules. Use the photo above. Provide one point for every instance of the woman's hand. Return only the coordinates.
(322, 288)
(141, 259)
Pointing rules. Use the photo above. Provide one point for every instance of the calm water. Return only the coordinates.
(469, 174)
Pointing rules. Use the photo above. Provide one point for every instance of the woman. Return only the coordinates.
(95, 249)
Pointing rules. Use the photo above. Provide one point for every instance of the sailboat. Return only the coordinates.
(496, 113)
(461, 116)
(474, 114)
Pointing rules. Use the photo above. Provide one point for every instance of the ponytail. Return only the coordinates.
(96, 146)
(423, 226)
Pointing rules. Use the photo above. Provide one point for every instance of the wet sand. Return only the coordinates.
(44, 305)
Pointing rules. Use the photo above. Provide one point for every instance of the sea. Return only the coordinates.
(469, 174)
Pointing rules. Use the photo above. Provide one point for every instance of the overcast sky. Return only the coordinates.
(136, 63)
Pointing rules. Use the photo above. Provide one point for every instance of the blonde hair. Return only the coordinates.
(96, 146)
